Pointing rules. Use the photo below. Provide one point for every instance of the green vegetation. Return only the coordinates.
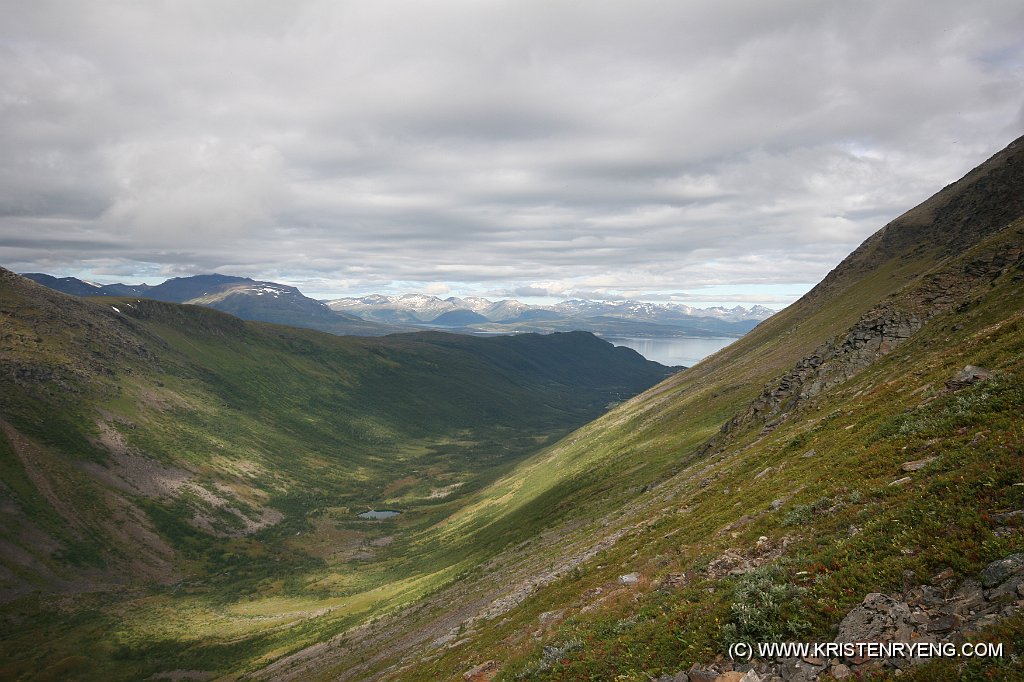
(816, 498)
(192, 481)
(215, 469)
(844, 529)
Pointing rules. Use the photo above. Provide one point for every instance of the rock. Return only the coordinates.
(478, 673)
(549, 616)
(777, 504)
(697, 673)
(731, 676)
(969, 375)
(878, 619)
(1007, 591)
(810, 453)
(629, 579)
(945, 623)
(796, 670)
(917, 464)
(738, 676)
(841, 671)
(942, 576)
(998, 571)
(901, 481)
(1002, 517)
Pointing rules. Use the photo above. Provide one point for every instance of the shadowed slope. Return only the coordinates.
(679, 461)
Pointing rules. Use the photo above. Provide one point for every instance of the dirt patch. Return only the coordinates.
(399, 484)
(132, 472)
(438, 493)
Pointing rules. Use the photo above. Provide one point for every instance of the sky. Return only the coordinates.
(706, 152)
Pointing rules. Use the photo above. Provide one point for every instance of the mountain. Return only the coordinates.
(152, 453)
(622, 318)
(847, 471)
(458, 318)
(240, 296)
(378, 315)
(182, 289)
(77, 287)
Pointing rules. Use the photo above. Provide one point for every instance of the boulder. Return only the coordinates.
(917, 465)
(998, 571)
(481, 672)
(878, 619)
(629, 579)
(969, 375)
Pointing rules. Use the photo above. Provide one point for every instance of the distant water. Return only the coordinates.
(379, 514)
(675, 350)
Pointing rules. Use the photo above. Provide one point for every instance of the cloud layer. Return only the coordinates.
(554, 146)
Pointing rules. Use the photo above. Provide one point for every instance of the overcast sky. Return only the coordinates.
(708, 151)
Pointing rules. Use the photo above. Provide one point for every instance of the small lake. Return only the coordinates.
(378, 514)
(673, 350)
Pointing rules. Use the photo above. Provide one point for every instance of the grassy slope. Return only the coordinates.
(264, 419)
(637, 471)
(632, 492)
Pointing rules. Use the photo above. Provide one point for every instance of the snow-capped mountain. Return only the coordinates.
(424, 307)
(511, 315)
(377, 314)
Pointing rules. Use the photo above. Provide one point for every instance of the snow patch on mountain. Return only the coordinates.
(424, 307)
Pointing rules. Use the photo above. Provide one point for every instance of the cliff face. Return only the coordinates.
(833, 363)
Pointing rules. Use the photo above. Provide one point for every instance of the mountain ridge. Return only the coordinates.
(240, 296)
(378, 314)
(865, 441)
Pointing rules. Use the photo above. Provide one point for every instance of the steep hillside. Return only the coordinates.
(171, 461)
(839, 449)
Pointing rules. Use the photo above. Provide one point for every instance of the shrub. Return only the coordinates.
(764, 608)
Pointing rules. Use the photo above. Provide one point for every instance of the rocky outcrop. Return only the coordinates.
(834, 362)
(887, 326)
(940, 615)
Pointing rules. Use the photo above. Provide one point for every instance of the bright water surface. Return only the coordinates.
(379, 514)
(675, 350)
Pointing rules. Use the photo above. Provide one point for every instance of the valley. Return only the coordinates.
(182, 489)
(196, 479)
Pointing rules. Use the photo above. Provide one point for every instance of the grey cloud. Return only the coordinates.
(530, 146)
